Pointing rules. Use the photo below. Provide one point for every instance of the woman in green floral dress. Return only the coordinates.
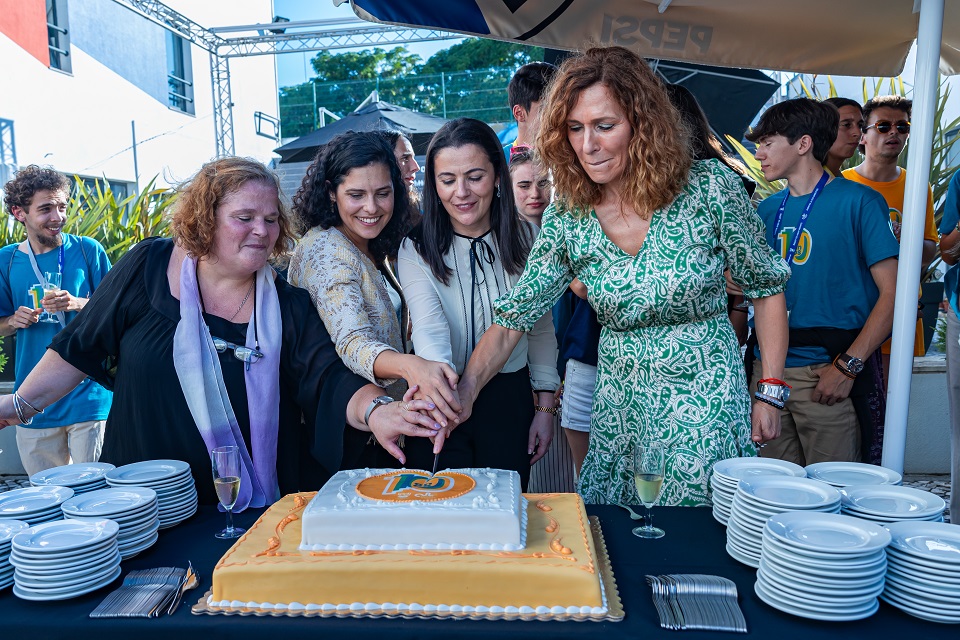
(650, 233)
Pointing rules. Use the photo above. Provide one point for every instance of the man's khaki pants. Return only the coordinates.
(809, 431)
(41, 449)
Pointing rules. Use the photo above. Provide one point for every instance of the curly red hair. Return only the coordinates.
(194, 221)
(659, 155)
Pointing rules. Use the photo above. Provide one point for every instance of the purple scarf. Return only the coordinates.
(201, 379)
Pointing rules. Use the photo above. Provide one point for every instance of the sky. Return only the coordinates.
(294, 68)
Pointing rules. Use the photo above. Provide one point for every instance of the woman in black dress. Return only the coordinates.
(170, 330)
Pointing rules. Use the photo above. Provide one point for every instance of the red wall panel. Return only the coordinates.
(25, 22)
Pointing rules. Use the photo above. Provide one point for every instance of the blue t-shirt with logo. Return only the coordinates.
(951, 216)
(89, 401)
(848, 230)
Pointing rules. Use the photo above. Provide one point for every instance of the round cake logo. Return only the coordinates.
(409, 486)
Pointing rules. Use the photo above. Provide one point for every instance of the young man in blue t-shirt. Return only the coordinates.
(70, 429)
(837, 239)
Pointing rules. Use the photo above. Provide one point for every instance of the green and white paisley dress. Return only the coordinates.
(669, 365)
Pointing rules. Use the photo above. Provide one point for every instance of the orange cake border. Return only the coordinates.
(614, 612)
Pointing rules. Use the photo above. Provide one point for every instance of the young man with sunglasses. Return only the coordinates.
(886, 129)
(835, 235)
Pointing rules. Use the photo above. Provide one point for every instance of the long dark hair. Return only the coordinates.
(433, 237)
(313, 206)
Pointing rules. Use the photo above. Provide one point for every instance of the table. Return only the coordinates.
(694, 544)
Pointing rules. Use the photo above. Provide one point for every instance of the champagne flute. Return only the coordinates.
(226, 480)
(52, 285)
(649, 461)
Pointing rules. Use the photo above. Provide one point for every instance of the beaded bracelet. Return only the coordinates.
(773, 402)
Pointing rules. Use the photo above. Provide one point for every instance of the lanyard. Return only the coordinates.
(798, 231)
(39, 274)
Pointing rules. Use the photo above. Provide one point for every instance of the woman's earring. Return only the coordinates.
(498, 190)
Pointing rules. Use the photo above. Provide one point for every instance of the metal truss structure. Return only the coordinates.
(221, 49)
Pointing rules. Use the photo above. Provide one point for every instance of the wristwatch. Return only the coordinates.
(378, 401)
(776, 391)
(851, 364)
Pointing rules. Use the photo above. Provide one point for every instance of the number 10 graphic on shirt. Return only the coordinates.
(804, 246)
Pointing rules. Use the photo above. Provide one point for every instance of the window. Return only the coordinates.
(179, 74)
(58, 36)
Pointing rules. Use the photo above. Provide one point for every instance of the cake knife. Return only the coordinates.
(436, 461)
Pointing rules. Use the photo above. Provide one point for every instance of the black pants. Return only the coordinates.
(495, 435)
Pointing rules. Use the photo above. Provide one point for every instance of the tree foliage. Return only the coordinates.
(467, 79)
(364, 65)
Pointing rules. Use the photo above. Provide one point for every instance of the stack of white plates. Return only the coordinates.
(8, 529)
(727, 475)
(923, 570)
(60, 560)
(134, 509)
(890, 503)
(845, 474)
(171, 479)
(34, 505)
(822, 566)
(759, 498)
(81, 477)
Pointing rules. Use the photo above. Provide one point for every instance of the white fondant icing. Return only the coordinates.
(490, 517)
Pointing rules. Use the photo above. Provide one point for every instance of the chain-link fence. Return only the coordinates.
(475, 94)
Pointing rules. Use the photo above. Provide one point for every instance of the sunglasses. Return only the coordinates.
(243, 354)
(884, 126)
(520, 149)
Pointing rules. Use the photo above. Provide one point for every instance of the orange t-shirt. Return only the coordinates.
(893, 192)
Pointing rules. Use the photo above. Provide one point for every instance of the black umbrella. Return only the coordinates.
(418, 127)
(730, 97)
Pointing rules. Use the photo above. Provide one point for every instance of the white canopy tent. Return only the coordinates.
(841, 37)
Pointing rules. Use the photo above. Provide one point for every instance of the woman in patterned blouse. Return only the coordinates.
(468, 251)
(649, 232)
(353, 210)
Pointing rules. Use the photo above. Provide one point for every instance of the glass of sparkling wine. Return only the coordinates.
(649, 459)
(52, 285)
(226, 480)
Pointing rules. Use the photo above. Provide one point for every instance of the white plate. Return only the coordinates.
(868, 562)
(941, 604)
(742, 558)
(64, 535)
(827, 596)
(91, 574)
(789, 492)
(134, 540)
(923, 574)
(891, 500)
(110, 501)
(922, 612)
(125, 522)
(833, 616)
(70, 475)
(32, 500)
(827, 532)
(843, 474)
(166, 504)
(30, 594)
(67, 561)
(935, 541)
(148, 471)
(8, 529)
(746, 468)
(172, 522)
(913, 585)
(822, 576)
(143, 546)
